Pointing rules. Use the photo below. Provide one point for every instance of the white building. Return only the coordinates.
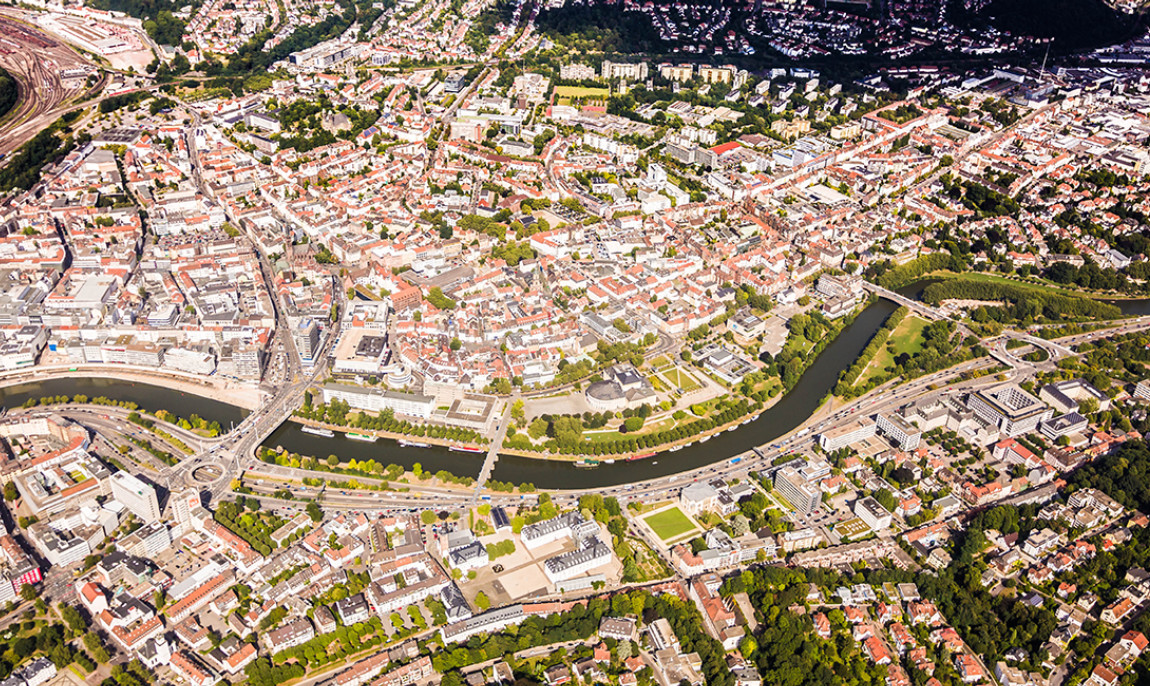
(899, 430)
(377, 400)
(841, 437)
(572, 564)
(137, 496)
(1009, 409)
(1142, 390)
(567, 525)
(875, 515)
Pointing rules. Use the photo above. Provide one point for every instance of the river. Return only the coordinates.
(147, 396)
(791, 411)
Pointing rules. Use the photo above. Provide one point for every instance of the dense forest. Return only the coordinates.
(892, 276)
(1073, 24)
(1123, 475)
(45, 149)
(598, 28)
(1023, 304)
(159, 21)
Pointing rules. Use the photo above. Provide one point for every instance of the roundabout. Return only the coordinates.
(206, 474)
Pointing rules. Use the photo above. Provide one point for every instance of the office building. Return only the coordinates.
(630, 71)
(904, 434)
(137, 496)
(306, 335)
(377, 400)
(803, 495)
(1010, 409)
(875, 515)
(181, 506)
(1066, 396)
(1142, 389)
(843, 436)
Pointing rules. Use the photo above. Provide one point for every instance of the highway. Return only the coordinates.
(883, 399)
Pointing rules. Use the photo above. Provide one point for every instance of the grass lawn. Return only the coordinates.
(680, 379)
(906, 338)
(606, 435)
(1044, 287)
(669, 524)
(580, 92)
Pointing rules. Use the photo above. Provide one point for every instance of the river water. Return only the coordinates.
(791, 411)
(147, 396)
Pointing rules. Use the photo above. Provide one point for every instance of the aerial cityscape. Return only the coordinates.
(405, 342)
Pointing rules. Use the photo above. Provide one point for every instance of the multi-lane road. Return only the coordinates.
(884, 399)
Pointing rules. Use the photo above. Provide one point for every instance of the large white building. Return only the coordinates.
(182, 504)
(841, 437)
(1010, 409)
(875, 515)
(899, 430)
(567, 525)
(801, 493)
(574, 563)
(137, 496)
(377, 400)
(1142, 390)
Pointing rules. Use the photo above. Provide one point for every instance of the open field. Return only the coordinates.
(906, 338)
(669, 524)
(580, 92)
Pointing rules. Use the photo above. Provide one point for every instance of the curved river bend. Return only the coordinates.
(791, 411)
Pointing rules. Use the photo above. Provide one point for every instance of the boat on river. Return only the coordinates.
(317, 431)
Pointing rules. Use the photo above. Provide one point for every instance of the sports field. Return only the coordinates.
(669, 524)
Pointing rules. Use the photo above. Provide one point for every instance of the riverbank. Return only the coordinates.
(343, 429)
(215, 388)
(788, 413)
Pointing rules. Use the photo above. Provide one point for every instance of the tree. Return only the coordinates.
(482, 601)
(27, 592)
(538, 428)
(73, 618)
(11, 494)
(428, 517)
(314, 511)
